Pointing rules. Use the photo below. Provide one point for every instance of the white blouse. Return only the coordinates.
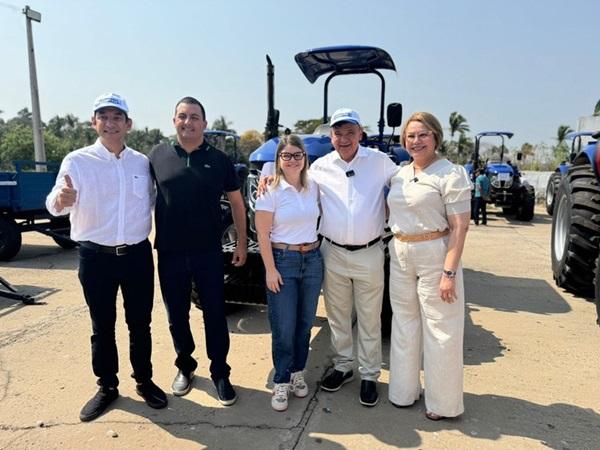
(422, 203)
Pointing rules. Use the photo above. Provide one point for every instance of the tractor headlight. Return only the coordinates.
(501, 180)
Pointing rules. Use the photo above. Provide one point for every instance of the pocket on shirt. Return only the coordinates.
(141, 186)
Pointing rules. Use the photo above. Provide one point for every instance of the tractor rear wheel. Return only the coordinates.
(576, 231)
(551, 191)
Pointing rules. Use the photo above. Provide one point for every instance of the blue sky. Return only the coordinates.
(526, 66)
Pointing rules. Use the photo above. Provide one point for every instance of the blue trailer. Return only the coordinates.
(22, 207)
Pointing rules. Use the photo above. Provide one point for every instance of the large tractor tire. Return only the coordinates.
(551, 191)
(525, 211)
(576, 231)
(10, 239)
(597, 290)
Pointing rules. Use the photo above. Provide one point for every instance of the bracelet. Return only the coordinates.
(449, 273)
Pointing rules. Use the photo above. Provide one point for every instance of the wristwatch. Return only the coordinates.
(449, 273)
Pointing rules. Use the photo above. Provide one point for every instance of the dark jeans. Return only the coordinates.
(480, 207)
(101, 275)
(176, 271)
(292, 311)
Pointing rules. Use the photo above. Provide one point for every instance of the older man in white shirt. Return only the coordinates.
(107, 191)
(351, 181)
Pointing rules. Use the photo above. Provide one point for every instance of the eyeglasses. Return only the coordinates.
(421, 136)
(288, 156)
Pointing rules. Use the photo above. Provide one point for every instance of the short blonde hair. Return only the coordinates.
(430, 122)
(296, 141)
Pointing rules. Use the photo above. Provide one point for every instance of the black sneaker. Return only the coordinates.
(336, 379)
(152, 394)
(368, 393)
(98, 403)
(182, 384)
(225, 391)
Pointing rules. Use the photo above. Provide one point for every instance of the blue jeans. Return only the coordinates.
(292, 310)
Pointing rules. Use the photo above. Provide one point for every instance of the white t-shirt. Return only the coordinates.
(295, 214)
(352, 194)
(423, 205)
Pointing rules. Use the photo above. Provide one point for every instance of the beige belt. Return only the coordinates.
(421, 237)
(302, 248)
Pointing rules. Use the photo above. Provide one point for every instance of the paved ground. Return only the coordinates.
(531, 368)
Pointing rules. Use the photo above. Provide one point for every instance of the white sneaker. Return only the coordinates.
(279, 401)
(298, 384)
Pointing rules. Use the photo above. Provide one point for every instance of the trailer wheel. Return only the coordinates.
(62, 226)
(551, 191)
(576, 231)
(10, 239)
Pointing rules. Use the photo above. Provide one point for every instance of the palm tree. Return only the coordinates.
(597, 109)
(561, 134)
(458, 124)
(222, 124)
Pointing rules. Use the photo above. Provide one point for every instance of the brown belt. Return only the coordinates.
(421, 237)
(302, 248)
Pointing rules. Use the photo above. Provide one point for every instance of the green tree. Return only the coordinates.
(527, 150)
(250, 140)
(143, 140)
(458, 124)
(222, 124)
(307, 126)
(561, 150)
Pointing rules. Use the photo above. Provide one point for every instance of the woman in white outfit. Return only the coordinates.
(429, 203)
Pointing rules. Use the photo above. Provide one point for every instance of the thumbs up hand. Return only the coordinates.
(67, 196)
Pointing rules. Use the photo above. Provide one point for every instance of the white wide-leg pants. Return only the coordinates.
(425, 328)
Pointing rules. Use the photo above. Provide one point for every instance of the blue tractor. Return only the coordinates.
(246, 285)
(575, 243)
(577, 143)
(508, 190)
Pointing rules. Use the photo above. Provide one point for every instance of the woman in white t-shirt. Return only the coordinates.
(429, 203)
(286, 224)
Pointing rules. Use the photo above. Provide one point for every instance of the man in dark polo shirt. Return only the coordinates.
(190, 178)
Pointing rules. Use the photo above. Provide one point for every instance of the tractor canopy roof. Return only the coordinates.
(508, 134)
(576, 134)
(315, 146)
(343, 59)
(221, 133)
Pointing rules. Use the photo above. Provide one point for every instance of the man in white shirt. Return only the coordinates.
(107, 191)
(351, 182)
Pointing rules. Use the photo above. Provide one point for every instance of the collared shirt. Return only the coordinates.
(352, 195)
(421, 206)
(189, 186)
(295, 213)
(114, 195)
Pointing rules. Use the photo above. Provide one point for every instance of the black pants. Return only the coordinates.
(176, 271)
(480, 207)
(101, 275)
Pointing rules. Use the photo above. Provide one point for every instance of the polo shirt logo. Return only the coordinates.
(207, 166)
